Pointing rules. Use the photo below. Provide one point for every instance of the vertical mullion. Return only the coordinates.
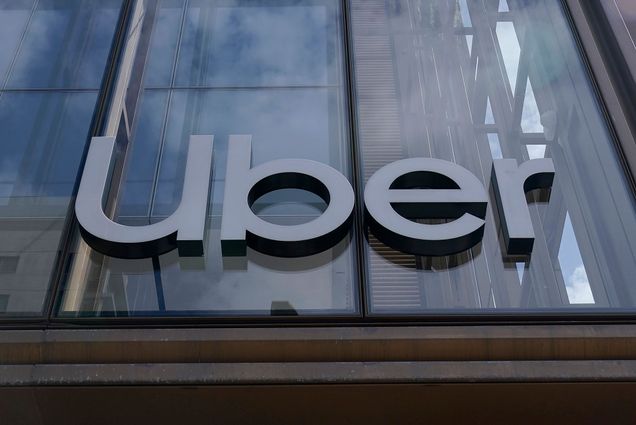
(355, 152)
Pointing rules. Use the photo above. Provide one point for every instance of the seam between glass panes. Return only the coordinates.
(355, 152)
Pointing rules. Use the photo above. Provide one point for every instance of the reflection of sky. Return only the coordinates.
(549, 45)
(51, 129)
(469, 41)
(285, 123)
(242, 47)
(158, 71)
(490, 118)
(576, 282)
(530, 117)
(255, 46)
(97, 39)
(495, 146)
(503, 6)
(43, 43)
(465, 14)
(510, 50)
(289, 126)
(574, 274)
(66, 44)
(536, 151)
(143, 154)
(12, 23)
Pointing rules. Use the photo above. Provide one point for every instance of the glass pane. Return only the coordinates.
(283, 124)
(14, 16)
(44, 139)
(258, 43)
(65, 44)
(163, 47)
(44, 44)
(270, 69)
(137, 195)
(418, 96)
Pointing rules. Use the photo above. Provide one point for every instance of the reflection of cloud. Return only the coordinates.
(276, 45)
(158, 71)
(495, 146)
(536, 151)
(60, 30)
(12, 24)
(578, 287)
(465, 14)
(530, 116)
(510, 50)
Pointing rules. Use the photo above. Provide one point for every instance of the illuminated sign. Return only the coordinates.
(396, 195)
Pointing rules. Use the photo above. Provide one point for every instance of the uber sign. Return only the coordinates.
(398, 193)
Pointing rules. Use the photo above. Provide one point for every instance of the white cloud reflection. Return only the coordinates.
(510, 50)
(256, 45)
(578, 287)
(536, 151)
(572, 268)
(80, 33)
(503, 6)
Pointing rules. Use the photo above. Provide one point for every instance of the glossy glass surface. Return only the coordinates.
(271, 69)
(470, 81)
(52, 58)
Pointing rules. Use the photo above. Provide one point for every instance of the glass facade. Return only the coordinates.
(459, 80)
(52, 57)
(273, 70)
(469, 82)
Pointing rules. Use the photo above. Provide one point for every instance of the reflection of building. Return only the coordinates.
(359, 331)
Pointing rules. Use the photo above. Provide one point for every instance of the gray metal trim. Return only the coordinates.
(336, 344)
(317, 373)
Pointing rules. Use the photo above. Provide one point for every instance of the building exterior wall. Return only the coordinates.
(356, 85)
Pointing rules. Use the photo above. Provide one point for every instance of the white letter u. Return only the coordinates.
(183, 230)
